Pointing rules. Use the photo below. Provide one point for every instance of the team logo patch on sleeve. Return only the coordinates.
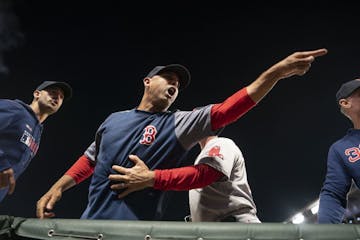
(215, 152)
(29, 141)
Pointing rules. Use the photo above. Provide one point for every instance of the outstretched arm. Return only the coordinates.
(178, 179)
(243, 100)
(297, 63)
(80, 170)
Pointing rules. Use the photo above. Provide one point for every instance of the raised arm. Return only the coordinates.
(243, 100)
(297, 63)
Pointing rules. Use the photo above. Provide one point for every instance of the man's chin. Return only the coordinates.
(164, 105)
(52, 110)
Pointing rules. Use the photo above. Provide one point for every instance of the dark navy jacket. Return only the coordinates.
(343, 167)
(20, 133)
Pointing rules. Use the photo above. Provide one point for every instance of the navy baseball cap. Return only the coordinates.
(182, 72)
(347, 89)
(62, 85)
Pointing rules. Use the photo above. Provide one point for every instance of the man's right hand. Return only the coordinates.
(132, 179)
(46, 203)
(297, 63)
(7, 179)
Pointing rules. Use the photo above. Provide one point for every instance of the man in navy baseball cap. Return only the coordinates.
(343, 158)
(181, 71)
(22, 128)
(67, 90)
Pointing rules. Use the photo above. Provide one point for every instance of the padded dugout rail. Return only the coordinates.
(69, 229)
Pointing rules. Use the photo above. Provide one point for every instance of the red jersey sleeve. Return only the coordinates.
(186, 178)
(81, 169)
(231, 109)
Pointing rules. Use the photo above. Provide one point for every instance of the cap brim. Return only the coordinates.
(65, 88)
(347, 89)
(182, 72)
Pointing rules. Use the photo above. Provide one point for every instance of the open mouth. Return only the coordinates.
(171, 91)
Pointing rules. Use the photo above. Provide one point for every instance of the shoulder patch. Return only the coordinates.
(215, 152)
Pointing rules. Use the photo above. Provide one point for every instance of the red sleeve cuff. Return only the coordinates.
(81, 169)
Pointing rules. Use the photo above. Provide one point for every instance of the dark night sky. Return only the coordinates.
(104, 50)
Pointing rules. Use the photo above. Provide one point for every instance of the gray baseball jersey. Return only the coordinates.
(231, 195)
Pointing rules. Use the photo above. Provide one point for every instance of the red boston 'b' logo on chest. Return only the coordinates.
(215, 152)
(148, 135)
(353, 154)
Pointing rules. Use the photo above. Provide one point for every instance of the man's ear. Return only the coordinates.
(344, 103)
(36, 94)
(146, 81)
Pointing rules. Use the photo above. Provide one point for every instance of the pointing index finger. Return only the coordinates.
(315, 53)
